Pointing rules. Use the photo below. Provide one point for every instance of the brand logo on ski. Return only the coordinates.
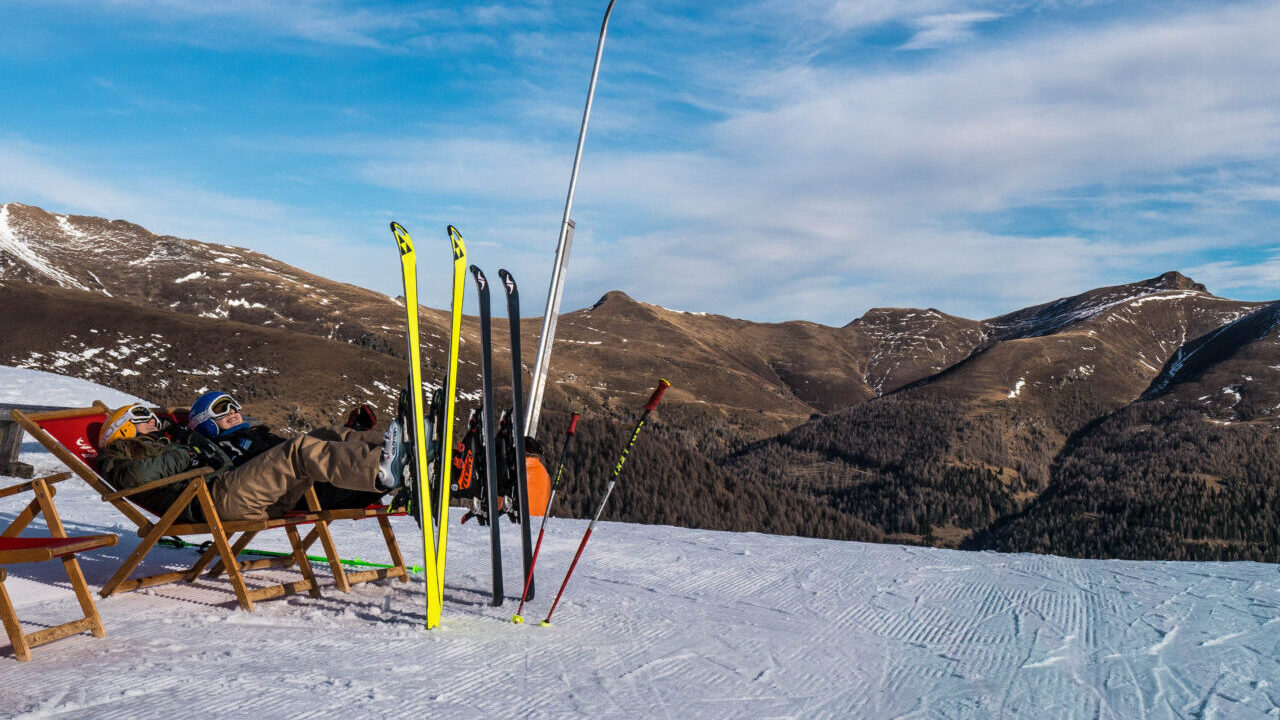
(402, 238)
(511, 284)
(455, 237)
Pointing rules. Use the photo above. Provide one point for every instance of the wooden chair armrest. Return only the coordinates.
(25, 486)
(162, 482)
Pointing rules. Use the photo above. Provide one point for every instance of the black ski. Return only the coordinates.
(434, 429)
(491, 463)
(517, 428)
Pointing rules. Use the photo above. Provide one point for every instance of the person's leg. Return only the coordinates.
(274, 482)
(344, 457)
(258, 489)
(346, 434)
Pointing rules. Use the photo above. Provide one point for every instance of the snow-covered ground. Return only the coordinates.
(658, 622)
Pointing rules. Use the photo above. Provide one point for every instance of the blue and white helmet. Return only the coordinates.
(209, 407)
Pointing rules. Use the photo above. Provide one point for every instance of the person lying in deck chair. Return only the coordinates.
(136, 447)
(216, 415)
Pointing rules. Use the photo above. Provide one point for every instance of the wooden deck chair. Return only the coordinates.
(70, 435)
(15, 549)
(342, 579)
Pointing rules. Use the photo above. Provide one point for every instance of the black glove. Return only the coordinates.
(205, 453)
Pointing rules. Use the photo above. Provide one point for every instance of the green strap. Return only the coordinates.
(174, 542)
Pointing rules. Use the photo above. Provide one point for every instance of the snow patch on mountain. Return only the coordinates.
(21, 251)
(1166, 295)
(64, 223)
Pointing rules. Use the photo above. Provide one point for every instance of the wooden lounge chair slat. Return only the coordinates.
(27, 549)
(25, 486)
(156, 484)
(48, 635)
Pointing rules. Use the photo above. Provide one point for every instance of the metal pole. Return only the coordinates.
(556, 290)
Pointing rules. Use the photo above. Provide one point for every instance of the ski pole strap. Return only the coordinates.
(657, 395)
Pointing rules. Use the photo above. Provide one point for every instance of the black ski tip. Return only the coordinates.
(508, 282)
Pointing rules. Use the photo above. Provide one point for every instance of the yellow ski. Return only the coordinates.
(409, 271)
(451, 393)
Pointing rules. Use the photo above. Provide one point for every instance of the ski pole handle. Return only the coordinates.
(657, 395)
(573, 425)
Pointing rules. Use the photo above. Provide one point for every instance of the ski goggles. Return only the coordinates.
(137, 414)
(219, 408)
(223, 407)
(141, 414)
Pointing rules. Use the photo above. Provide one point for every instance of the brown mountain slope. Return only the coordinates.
(978, 441)
(1232, 373)
(1190, 472)
(293, 380)
(286, 378)
(1101, 348)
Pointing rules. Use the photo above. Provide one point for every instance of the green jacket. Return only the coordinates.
(136, 461)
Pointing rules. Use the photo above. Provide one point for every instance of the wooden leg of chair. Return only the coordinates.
(44, 497)
(240, 544)
(11, 626)
(335, 565)
(300, 557)
(393, 547)
(205, 558)
(72, 566)
(321, 530)
(152, 537)
(310, 539)
(220, 541)
(23, 519)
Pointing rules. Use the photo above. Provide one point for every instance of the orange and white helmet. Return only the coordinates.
(122, 422)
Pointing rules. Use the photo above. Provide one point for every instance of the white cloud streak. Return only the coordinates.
(937, 30)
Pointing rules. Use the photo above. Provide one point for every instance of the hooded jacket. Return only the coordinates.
(132, 462)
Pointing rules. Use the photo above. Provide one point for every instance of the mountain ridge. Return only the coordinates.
(904, 423)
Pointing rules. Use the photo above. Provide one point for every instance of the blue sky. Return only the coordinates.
(765, 159)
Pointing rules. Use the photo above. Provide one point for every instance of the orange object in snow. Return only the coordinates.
(539, 485)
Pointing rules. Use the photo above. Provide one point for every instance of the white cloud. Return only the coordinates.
(859, 14)
(938, 30)
(1233, 275)
(328, 22)
(852, 188)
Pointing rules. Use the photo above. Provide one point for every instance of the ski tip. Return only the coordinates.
(517, 619)
(545, 623)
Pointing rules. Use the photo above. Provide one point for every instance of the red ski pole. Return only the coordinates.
(564, 451)
(617, 469)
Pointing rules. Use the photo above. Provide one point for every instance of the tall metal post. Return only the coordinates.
(547, 338)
